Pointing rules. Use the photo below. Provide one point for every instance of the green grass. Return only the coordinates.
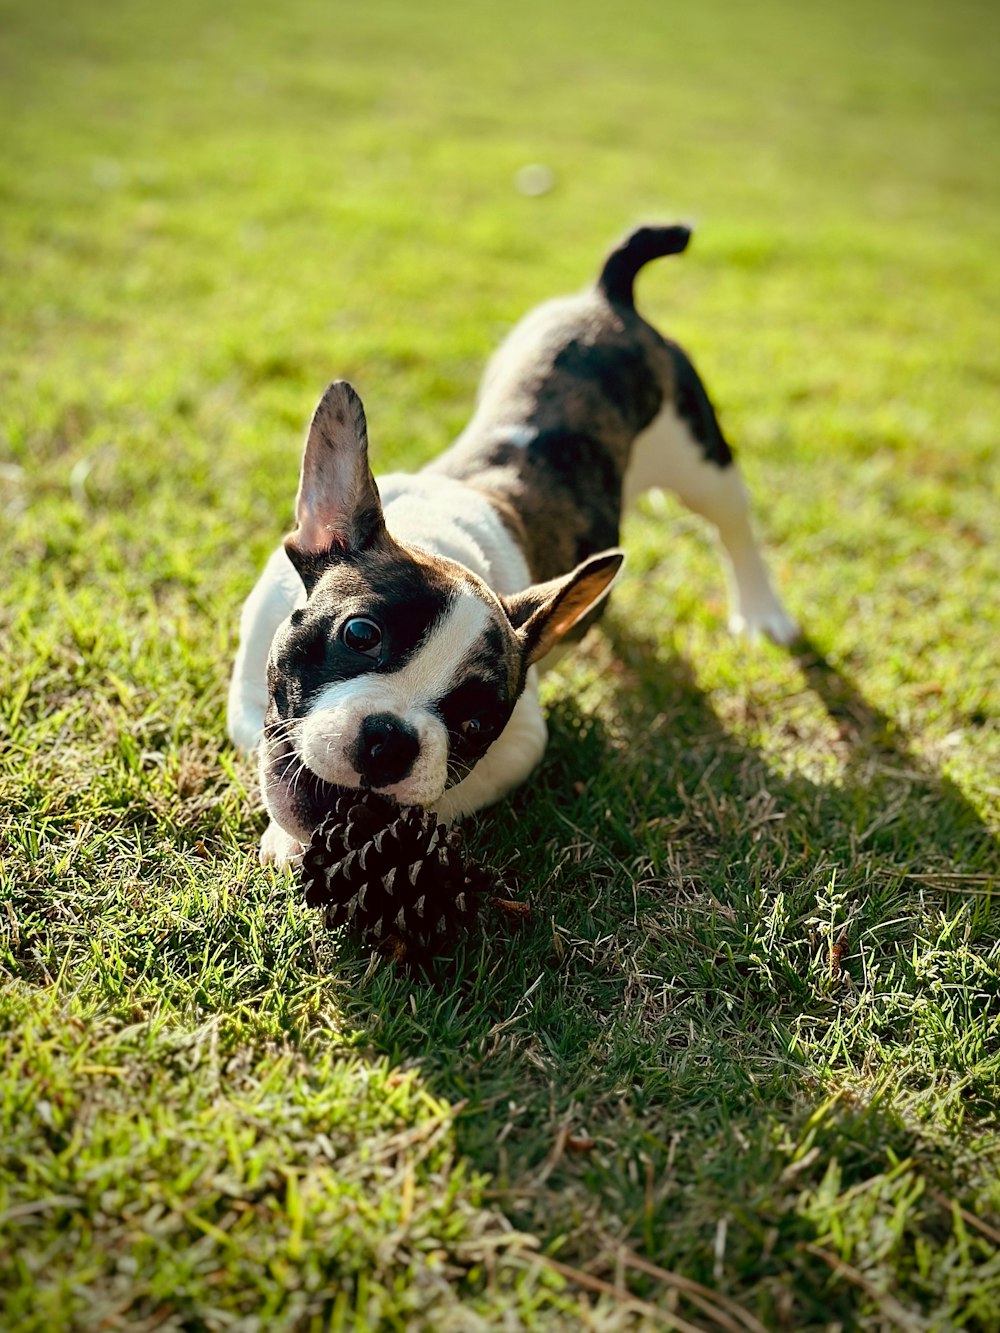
(743, 1064)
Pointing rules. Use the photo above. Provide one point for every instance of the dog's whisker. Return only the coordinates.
(283, 731)
(274, 740)
(277, 745)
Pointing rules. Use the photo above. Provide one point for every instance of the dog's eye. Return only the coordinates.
(475, 728)
(362, 635)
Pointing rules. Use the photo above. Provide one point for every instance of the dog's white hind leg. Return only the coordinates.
(274, 596)
(667, 455)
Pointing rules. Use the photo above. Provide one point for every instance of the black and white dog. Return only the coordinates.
(390, 642)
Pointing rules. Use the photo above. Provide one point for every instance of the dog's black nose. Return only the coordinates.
(386, 749)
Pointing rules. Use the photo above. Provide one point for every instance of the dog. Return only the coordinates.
(393, 640)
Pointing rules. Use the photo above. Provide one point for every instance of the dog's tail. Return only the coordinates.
(625, 261)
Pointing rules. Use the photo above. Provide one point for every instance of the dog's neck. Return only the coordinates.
(448, 518)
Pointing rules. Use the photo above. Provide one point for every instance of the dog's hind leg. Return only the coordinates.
(683, 450)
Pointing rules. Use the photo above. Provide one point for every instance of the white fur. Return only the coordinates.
(275, 595)
(278, 848)
(667, 455)
(448, 518)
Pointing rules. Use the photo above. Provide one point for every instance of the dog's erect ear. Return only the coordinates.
(337, 509)
(543, 613)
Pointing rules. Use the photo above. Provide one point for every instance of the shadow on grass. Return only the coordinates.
(716, 1013)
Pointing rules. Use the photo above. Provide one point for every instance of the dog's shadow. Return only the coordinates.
(670, 773)
(713, 816)
(693, 900)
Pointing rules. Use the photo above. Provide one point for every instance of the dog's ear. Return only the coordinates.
(337, 509)
(542, 614)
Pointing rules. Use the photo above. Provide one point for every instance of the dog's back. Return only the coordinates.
(562, 403)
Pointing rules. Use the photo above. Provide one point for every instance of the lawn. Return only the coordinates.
(741, 1067)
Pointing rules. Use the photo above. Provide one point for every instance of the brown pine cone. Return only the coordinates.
(393, 872)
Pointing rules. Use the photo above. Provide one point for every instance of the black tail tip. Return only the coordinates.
(637, 249)
(666, 240)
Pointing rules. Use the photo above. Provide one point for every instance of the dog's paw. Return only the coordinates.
(771, 621)
(245, 732)
(279, 849)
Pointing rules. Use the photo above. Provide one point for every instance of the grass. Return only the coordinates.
(741, 1068)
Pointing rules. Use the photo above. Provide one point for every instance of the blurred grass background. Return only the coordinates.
(751, 1035)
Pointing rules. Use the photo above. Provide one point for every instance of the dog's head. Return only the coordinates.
(402, 667)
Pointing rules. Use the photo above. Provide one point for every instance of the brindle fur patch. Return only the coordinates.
(559, 408)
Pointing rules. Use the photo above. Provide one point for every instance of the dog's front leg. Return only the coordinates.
(278, 848)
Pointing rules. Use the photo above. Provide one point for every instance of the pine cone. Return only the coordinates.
(393, 872)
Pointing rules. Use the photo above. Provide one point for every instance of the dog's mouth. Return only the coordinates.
(299, 799)
(295, 796)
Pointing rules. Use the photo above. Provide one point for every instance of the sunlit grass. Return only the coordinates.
(742, 1063)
